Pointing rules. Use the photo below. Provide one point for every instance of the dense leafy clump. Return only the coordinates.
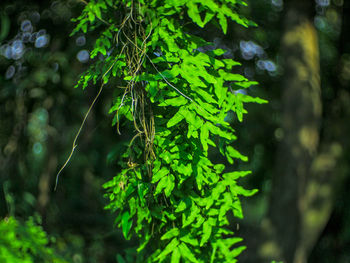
(176, 96)
(26, 243)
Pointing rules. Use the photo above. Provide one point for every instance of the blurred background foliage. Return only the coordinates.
(298, 144)
(40, 114)
(25, 243)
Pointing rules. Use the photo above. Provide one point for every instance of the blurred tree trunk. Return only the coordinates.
(12, 148)
(302, 108)
(307, 170)
(46, 178)
(330, 167)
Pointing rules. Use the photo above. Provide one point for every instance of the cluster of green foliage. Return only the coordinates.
(27, 243)
(176, 96)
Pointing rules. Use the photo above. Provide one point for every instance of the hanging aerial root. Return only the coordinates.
(74, 145)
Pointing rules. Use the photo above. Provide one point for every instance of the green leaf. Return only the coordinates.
(204, 136)
(219, 168)
(160, 174)
(191, 73)
(219, 51)
(212, 258)
(199, 222)
(230, 76)
(233, 176)
(232, 152)
(241, 191)
(246, 98)
(175, 256)
(237, 251)
(236, 206)
(206, 232)
(126, 224)
(142, 191)
(168, 249)
(190, 240)
(187, 220)
(218, 189)
(194, 13)
(181, 207)
(179, 116)
(174, 232)
(239, 108)
(222, 22)
(177, 101)
(170, 185)
(205, 95)
(168, 39)
(186, 253)
(230, 63)
(208, 16)
(161, 185)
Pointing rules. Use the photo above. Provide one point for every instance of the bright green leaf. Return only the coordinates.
(174, 232)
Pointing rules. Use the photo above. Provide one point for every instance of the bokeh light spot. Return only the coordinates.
(26, 37)
(26, 26)
(37, 148)
(41, 32)
(10, 72)
(249, 50)
(80, 41)
(41, 41)
(83, 56)
(322, 2)
(266, 65)
(17, 49)
(35, 17)
(277, 3)
(8, 52)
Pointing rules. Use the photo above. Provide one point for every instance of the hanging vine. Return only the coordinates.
(169, 193)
